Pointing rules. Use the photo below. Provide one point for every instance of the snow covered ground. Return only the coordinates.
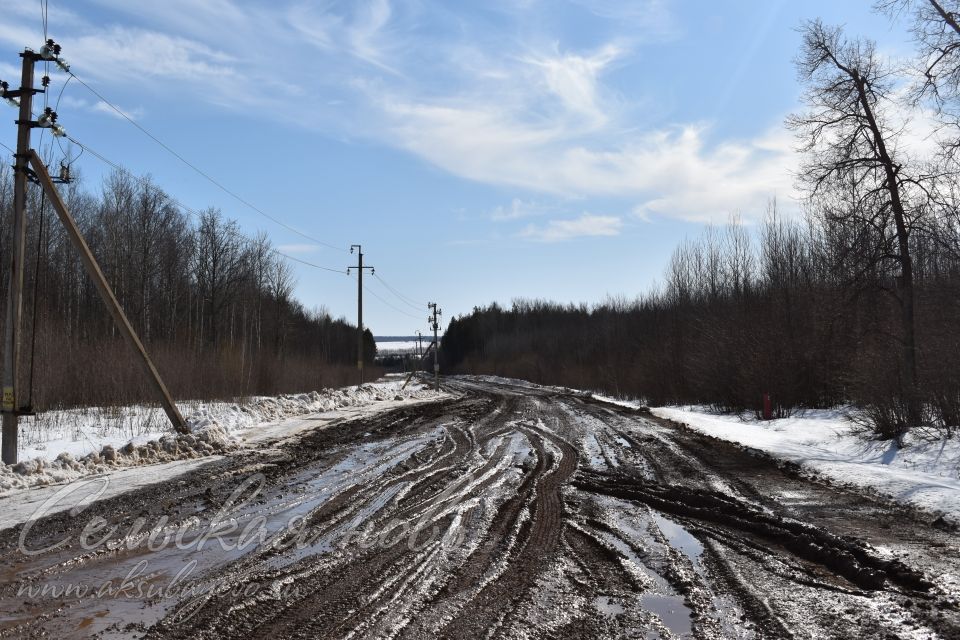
(60, 446)
(924, 473)
(400, 346)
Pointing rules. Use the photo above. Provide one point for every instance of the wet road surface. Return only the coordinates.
(504, 511)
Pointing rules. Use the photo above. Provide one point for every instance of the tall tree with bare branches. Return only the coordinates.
(935, 25)
(852, 157)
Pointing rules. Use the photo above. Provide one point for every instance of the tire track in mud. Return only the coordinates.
(747, 534)
(540, 514)
(537, 538)
(347, 594)
(198, 493)
(843, 557)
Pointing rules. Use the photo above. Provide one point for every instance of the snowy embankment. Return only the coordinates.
(924, 473)
(60, 446)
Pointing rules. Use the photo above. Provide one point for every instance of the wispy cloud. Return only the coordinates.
(650, 19)
(516, 210)
(669, 172)
(573, 78)
(587, 225)
(68, 103)
(364, 35)
(356, 29)
(103, 107)
(482, 99)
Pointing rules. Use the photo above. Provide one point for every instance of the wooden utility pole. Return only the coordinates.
(359, 267)
(11, 337)
(106, 292)
(25, 158)
(435, 324)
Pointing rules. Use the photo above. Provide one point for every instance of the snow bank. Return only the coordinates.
(924, 473)
(61, 446)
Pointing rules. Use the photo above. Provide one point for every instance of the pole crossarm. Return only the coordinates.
(106, 292)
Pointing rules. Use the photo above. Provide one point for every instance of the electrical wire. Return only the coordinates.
(85, 148)
(56, 107)
(198, 215)
(44, 6)
(116, 166)
(402, 298)
(201, 172)
(397, 309)
(44, 10)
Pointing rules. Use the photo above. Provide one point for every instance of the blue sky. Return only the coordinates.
(479, 151)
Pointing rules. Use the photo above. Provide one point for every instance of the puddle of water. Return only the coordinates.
(595, 451)
(608, 606)
(671, 610)
(304, 493)
(661, 598)
(680, 539)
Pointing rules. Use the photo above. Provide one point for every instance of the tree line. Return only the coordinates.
(857, 301)
(214, 308)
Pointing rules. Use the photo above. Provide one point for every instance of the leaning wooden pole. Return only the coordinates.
(113, 306)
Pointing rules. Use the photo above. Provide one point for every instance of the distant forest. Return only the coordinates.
(214, 308)
(857, 302)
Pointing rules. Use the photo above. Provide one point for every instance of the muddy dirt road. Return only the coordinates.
(505, 511)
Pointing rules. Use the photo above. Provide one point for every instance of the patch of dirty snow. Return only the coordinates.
(924, 473)
(60, 446)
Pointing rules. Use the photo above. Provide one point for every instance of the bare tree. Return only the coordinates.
(219, 267)
(280, 284)
(936, 29)
(852, 150)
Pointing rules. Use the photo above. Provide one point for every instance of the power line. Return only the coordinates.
(56, 106)
(184, 207)
(198, 215)
(177, 203)
(85, 148)
(44, 9)
(400, 296)
(397, 309)
(200, 171)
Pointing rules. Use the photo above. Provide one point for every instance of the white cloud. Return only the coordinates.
(359, 33)
(587, 225)
(184, 15)
(672, 172)
(528, 113)
(364, 35)
(573, 78)
(69, 102)
(103, 107)
(132, 52)
(650, 19)
(517, 210)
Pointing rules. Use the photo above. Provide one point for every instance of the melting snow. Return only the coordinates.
(924, 473)
(60, 446)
